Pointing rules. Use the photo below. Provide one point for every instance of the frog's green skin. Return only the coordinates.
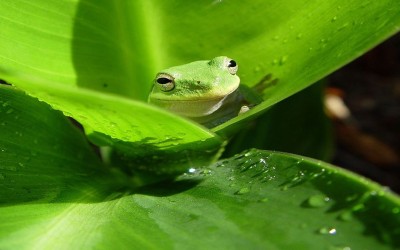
(204, 91)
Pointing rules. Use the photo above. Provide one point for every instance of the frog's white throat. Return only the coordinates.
(199, 108)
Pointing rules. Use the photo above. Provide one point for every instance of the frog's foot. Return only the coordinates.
(265, 82)
(244, 109)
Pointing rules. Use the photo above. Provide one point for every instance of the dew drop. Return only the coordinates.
(9, 111)
(318, 201)
(283, 60)
(327, 231)
(7, 103)
(264, 199)
(299, 36)
(206, 172)
(247, 154)
(244, 190)
(334, 19)
(332, 231)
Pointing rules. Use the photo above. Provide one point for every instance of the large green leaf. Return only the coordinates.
(41, 153)
(121, 123)
(117, 46)
(299, 42)
(55, 193)
(118, 117)
(256, 200)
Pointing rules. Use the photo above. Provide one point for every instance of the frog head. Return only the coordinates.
(197, 88)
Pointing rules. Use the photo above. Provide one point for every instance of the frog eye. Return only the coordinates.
(165, 82)
(232, 66)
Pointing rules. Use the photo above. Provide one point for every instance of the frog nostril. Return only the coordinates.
(198, 82)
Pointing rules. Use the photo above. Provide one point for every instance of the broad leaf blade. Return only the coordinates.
(118, 117)
(117, 46)
(295, 42)
(258, 200)
(41, 153)
(99, 45)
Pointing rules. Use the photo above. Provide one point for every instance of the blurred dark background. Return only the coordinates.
(369, 141)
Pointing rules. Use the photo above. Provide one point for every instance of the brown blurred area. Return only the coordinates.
(368, 141)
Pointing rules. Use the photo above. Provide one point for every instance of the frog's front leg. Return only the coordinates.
(253, 96)
(244, 109)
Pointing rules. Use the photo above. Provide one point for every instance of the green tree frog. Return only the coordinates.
(205, 91)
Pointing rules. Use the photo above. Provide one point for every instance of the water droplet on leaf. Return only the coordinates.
(318, 201)
(7, 103)
(283, 60)
(327, 231)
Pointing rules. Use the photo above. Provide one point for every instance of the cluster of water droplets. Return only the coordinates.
(245, 172)
(255, 161)
(6, 105)
(248, 169)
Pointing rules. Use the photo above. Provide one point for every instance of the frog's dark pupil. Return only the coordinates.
(232, 63)
(163, 80)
